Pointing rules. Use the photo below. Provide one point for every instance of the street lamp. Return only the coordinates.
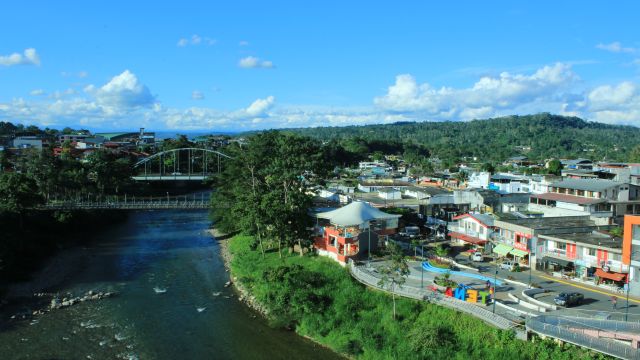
(369, 250)
(626, 311)
(422, 267)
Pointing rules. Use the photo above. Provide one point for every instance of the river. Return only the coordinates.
(196, 318)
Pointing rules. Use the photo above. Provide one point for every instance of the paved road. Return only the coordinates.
(596, 299)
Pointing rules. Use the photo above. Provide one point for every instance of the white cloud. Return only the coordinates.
(124, 102)
(243, 43)
(615, 47)
(37, 92)
(29, 57)
(252, 62)
(195, 40)
(485, 97)
(124, 91)
(258, 107)
(197, 95)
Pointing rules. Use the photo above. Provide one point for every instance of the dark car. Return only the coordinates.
(568, 299)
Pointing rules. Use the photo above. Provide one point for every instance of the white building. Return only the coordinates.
(479, 180)
(390, 193)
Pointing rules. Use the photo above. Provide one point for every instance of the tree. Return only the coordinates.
(395, 271)
(18, 193)
(555, 167)
(265, 188)
(441, 251)
(488, 167)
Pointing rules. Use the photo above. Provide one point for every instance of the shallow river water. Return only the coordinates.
(196, 318)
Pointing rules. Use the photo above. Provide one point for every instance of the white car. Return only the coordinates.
(508, 265)
(477, 257)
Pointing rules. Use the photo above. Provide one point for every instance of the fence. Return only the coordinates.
(369, 279)
(558, 327)
(129, 205)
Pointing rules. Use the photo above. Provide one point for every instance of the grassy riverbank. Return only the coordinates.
(320, 300)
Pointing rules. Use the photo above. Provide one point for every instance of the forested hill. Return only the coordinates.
(497, 139)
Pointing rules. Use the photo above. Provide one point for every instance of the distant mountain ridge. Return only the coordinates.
(539, 136)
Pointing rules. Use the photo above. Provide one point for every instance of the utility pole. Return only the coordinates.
(628, 284)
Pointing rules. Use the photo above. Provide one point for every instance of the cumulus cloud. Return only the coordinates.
(485, 97)
(124, 102)
(615, 47)
(197, 95)
(258, 107)
(124, 91)
(29, 57)
(252, 62)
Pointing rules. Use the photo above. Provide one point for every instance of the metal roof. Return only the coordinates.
(355, 213)
(587, 184)
(568, 198)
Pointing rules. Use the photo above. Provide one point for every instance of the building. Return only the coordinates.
(508, 183)
(573, 164)
(578, 197)
(520, 237)
(372, 185)
(479, 180)
(423, 192)
(24, 142)
(390, 194)
(631, 252)
(471, 228)
(351, 231)
(585, 254)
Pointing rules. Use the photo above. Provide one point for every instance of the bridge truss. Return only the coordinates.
(185, 164)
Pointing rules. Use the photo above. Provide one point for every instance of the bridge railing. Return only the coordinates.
(133, 205)
(559, 328)
(367, 278)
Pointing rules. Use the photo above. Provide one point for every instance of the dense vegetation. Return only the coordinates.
(28, 235)
(319, 299)
(264, 189)
(494, 140)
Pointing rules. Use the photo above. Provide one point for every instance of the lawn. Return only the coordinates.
(319, 299)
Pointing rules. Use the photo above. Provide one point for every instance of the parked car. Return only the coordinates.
(568, 299)
(477, 257)
(509, 265)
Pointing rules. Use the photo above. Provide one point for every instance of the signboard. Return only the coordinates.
(520, 246)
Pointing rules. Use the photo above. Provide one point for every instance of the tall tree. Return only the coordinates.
(395, 271)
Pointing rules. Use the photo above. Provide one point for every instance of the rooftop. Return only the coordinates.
(568, 198)
(550, 222)
(586, 184)
(591, 238)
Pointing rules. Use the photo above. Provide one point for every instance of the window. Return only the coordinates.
(591, 251)
(561, 246)
(333, 241)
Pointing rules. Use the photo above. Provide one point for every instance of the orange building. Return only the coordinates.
(349, 232)
(631, 251)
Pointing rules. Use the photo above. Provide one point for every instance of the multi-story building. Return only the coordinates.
(520, 237)
(471, 228)
(577, 197)
(589, 254)
(631, 252)
(351, 231)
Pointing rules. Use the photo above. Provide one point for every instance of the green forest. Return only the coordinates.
(539, 137)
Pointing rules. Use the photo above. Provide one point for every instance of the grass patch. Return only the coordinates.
(319, 299)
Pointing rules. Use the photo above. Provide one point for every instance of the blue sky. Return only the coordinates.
(251, 65)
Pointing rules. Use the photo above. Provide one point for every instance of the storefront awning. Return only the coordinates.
(467, 238)
(610, 275)
(518, 253)
(553, 260)
(502, 249)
